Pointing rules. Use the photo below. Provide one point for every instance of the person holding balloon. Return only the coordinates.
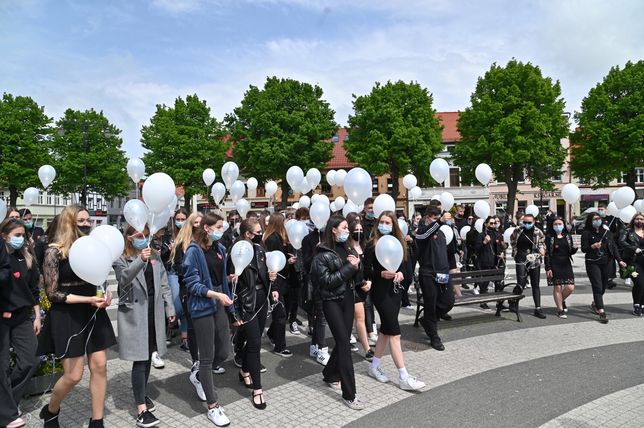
(78, 324)
(632, 244)
(333, 271)
(204, 303)
(145, 301)
(453, 251)
(385, 265)
(558, 261)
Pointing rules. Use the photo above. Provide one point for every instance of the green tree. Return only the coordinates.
(87, 156)
(514, 123)
(284, 124)
(24, 143)
(182, 141)
(394, 129)
(610, 136)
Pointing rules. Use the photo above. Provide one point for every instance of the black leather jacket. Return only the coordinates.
(628, 243)
(332, 275)
(256, 273)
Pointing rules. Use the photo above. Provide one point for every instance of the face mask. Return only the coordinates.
(449, 222)
(357, 236)
(602, 214)
(85, 230)
(384, 229)
(639, 224)
(179, 224)
(322, 228)
(140, 244)
(597, 223)
(257, 239)
(528, 226)
(216, 235)
(343, 237)
(17, 242)
(496, 226)
(371, 216)
(558, 229)
(29, 224)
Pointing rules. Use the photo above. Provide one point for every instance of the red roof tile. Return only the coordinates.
(448, 120)
(339, 159)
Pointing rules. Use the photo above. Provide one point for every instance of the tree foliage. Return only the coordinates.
(24, 143)
(284, 124)
(87, 155)
(394, 129)
(182, 141)
(514, 123)
(610, 136)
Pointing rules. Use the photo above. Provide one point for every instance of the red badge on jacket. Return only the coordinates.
(219, 256)
(16, 275)
(153, 262)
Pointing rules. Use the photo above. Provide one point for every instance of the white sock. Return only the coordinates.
(403, 373)
(375, 362)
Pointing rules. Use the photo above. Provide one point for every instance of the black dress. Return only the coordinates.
(559, 253)
(152, 331)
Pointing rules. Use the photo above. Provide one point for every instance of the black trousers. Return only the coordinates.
(534, 275)
(319, 324)
(483, 286)
(598, 276)
(277, 331)
(140, 376)
(250, 335)
(192, 338)
(13, 382)
(369, 314)
(291, 301)
(638, 285)
(339, 316)
(438, 299)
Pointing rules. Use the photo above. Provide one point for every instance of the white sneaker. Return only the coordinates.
(195, 367)
(353, 340)
(218, 370)
(157, 361)
(411, 384)
(323, 356)
(408, 307)
(294, 328)
(313, 351)
(476, 291)
(200, 393)
(218, 417)
(373, 338)
(354, 404)
(378, 374)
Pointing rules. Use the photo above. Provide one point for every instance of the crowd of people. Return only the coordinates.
(183, 276)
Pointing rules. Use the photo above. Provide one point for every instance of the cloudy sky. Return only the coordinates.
(126, 56)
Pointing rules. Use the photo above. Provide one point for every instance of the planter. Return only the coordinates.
(39, 385)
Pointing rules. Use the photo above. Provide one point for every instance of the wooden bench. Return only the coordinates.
(469, 298)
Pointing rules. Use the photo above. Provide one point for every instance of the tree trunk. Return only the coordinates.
(187, 202)
(13, 196)
(83, 197)
(512, 181)
(631, 178)
(285, 188)
(394, 183)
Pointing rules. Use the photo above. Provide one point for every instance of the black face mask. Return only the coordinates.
(257, 239)
(357, 236)
(85, 229)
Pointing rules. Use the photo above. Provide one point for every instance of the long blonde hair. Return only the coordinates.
(67, 231)
(185, 235)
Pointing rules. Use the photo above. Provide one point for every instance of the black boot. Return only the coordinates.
(95, 423)
(50, 420)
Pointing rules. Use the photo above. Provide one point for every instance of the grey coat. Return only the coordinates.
(133, 307)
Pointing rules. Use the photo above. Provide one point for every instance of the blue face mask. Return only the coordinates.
(179, 224)
(216, 235)
(371, 216)
(527, 226)
(602, 214)
(29, 224)
(343, 237)
(17, 242)
(384, 229)
(558, 229)
(449, 222)
(140, 244)
(597, 223)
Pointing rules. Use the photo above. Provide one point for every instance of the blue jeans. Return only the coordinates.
(173, 280)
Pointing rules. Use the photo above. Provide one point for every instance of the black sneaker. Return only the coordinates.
(603, 318)
(184, 345)
(354, 347)
(299, 322)
(539, 314)
(593, 308)
(465, 286)
(150, 404)
(262, 369)
(637, 311)
(446, 317)
(611, 284)
(484, 306)
(50, 419)
(95, 423)
(147, 419)
(369, 355)
(284, 353)
(437, 344)
(563, 305)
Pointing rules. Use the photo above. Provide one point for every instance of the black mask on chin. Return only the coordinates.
(85, 229)
(357, 236)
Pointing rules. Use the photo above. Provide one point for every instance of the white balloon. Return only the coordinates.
(447, 201)
(275, 261)
(612, 209)
(404, 227)
(172, 206)
(382, 203)
(208, 175)
(624, 196)
(242, 206)
(339, 203)
(313, 177)
(410, 181)
(135, 169)
(478, 225)
(111, 238)
(436, 197)
(340, 176)
(289, 223)
(319, 213)
(612, 196)
(136, 214)
(532, 209)
(626, 214)
(304, 187)
(90, 260)
(324, 199)
(350, 207)
(448, 232)
(305, 201)
(439, 169)
(237, 191)
(226, 225)
(482, 209)
(46, 174)
(507, 234)
(30, 196)
(296, 206)
(229, 173)
(315, 197)
(241, 255)
(332, 207)
(157, 221)
(389, 252)
(464, 231)
(294, 176)
(415, 192)
(252, 183)
(483, 173)
(570, 193)
(330, 176)
(638, 204)
(3, 209)
(297, 232)
(271, 188)
(218, 192)
(357, 185)
(158, 191)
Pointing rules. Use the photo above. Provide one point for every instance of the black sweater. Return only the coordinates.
(21, 292)
(432, 249)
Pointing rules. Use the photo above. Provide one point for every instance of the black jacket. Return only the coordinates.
(21, 292)
(608, 249)
(432, 249)
(629, 242)
(309, 248)
(255, 275)
(332, 275)
(287, 276)
(488, 254)
(5, 266)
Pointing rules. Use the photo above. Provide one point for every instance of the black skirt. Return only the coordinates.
(386, 298)
(562, 273)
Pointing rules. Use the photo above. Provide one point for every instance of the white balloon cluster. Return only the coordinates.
(91, 257)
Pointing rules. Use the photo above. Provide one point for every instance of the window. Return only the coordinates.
(390, 184)
(374, 185)
(639, 176)
(49, 199)
(326, 188)
(455, 177)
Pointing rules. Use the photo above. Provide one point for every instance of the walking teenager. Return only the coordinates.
(333, 271)
(78, 324)
(598, 244)
(145, 301)
(203, 304)
(632, 244)
(19, 296)
(361, 292)
(559, 252)
(386, 293)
